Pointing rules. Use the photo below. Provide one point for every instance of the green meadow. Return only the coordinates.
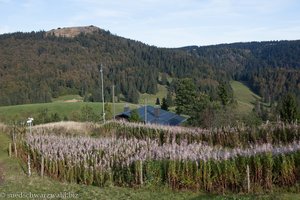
(151, 98)
(69, 105)
(62, 108)
(244, 96)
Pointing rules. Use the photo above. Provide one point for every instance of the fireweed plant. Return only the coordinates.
(128, 154)
(240, 136)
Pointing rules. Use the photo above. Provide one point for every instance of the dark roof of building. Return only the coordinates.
(156, 116)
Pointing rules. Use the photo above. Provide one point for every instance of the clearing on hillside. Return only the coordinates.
(244, 96)
(151, 98)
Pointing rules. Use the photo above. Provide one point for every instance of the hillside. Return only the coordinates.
(244, 96)
(61, 110)
(35, 68)
(38, 66)
(69, 107)
(270, 69)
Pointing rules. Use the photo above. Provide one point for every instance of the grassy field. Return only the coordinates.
(244, 96)
(151, 98)
(8, 113)
(66, 105)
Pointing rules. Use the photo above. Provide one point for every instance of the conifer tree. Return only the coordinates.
(157, 101)
(223, 94)
(164, 104)
(185, 96)
(288, 108)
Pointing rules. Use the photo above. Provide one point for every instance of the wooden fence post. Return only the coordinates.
(9, 149)
(248, 178)
(42, 167)
(28, 163)
(15, 150)
(13, 136)
(141, 172)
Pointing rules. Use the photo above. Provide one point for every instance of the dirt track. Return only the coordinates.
(1, 174)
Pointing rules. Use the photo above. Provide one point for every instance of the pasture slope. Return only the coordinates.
(151, 98)
(244, 96)
(62, 108)
(67, 105)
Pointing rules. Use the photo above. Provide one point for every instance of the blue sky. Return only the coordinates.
(163, 23)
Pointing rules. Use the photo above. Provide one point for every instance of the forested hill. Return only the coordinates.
(269, 68)
(37, 66)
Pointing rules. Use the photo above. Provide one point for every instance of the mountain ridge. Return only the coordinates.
(35, 67)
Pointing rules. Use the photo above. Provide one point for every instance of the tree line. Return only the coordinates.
(204, 111)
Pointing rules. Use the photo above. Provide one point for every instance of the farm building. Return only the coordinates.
(154, 115)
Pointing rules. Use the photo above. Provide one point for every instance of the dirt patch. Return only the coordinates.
(73, 101)
(1, 174)
(72, 31)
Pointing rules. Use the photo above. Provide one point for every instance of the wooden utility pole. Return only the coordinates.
(113, 99)
(145, 111)
(102, 92)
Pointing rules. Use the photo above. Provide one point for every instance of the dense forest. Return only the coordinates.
(271, 69)
(36, 66)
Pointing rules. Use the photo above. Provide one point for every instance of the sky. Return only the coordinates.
(162, 23)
